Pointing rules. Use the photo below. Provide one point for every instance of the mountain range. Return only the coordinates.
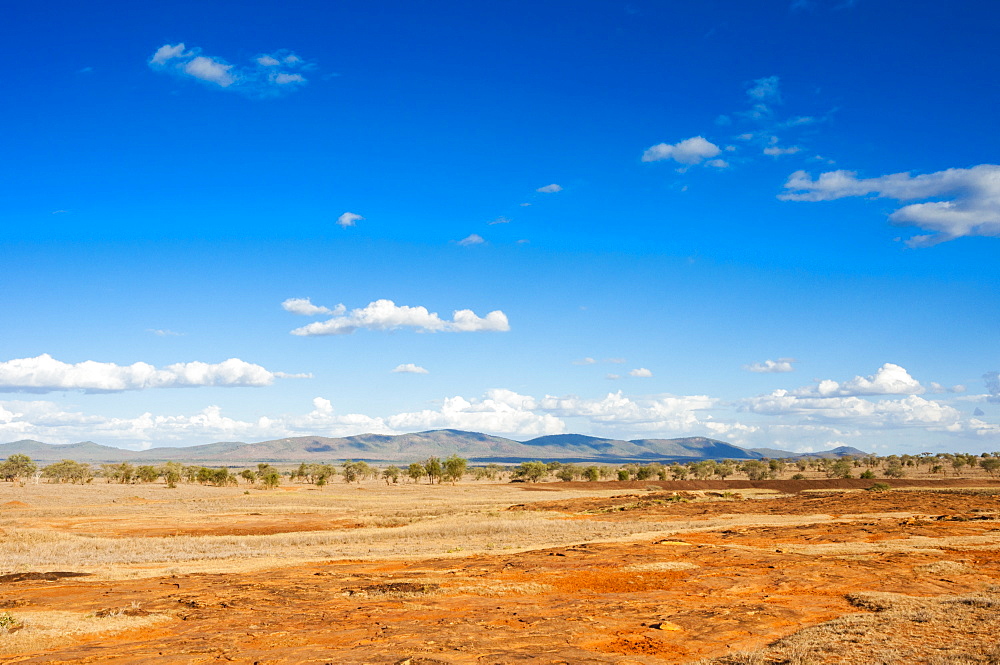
(414, 447)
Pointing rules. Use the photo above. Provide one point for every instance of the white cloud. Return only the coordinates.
(305, 307)
(775, 151)
(615, 410)
(211, 70)
(769, 366)
(766, 89)
(717, 163)
(163, 332)
(799, 421)
(640, 372)
(386, 315)
(689, 151)
(46, 374)
(410, 368)
(612, 377)
(348, 219)
(286, 79)
(585, 361)
(971, 205)
(912, 410)
(267, 75)
(501, 411)
(167, 52)
(471, 239)
(549, 189)
(500, 220)
(889, 379)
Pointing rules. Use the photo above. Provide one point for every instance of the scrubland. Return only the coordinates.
(494, 572)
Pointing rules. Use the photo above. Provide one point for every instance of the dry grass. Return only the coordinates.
(81, 528)
(48, 629)
(895, 628)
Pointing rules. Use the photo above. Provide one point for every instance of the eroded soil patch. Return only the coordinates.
(689, 593)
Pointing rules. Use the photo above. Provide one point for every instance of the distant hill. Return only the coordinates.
(695, 446)
(417, 446)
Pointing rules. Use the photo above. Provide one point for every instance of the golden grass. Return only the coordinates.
(49, 629)
(67, 527)
(894, 628)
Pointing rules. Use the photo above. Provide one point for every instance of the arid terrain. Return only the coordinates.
(809, 571)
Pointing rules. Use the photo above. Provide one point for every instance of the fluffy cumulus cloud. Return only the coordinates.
(640, 372)
(850, 402)
(304, 307)
(689, 151)
(267, 75)
(796, 421)
(46, 374)
(387, 315)
(772, 366)
(966, 201)
(409, 368)
(348, 219)
(615, 411)
(471, 239)
(912, 410)
(549, 189)
(889, 379)
(500, 411)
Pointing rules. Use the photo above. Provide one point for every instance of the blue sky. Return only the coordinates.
(770, 223)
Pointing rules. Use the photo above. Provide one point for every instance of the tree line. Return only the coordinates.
(434, 470)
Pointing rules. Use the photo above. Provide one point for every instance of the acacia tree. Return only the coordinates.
(391, 473)
(454, 468)
(271, 479)
(433, 469)
(147, 473)
(990, 465)
(755, 469)
(533, 471)
(122, 473)
(68, 471)
(416, 471)
(17, 466)
(568, 472)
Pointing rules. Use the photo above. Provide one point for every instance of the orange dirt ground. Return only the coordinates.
(702, 594)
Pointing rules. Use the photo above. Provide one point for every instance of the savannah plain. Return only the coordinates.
(815, 570)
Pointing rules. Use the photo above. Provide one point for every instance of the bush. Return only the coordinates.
(271, 480)
(880, 487)
(9, 623)
(533, 471)
(868, 474)
(798, 476)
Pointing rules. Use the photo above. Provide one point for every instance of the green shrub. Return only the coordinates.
(880, 487)
(9, 623)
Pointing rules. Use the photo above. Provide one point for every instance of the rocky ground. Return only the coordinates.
(904, 576)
